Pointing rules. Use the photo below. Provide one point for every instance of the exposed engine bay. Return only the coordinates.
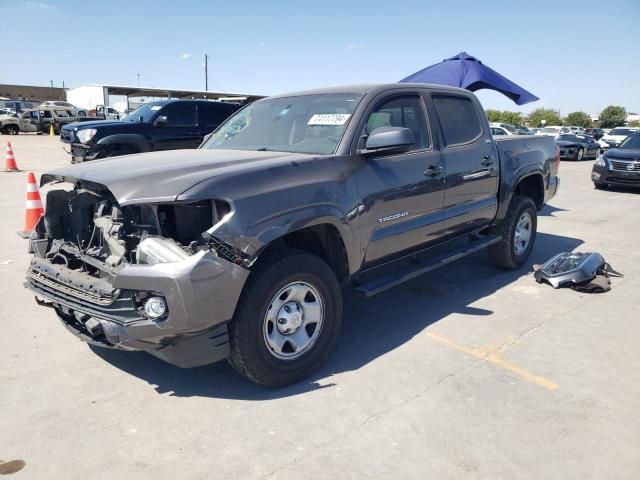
(84, 229)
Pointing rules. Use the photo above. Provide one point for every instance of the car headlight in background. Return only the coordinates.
(600, 161)
(86, 134)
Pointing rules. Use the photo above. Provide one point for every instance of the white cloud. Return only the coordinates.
(351, 46)
(42, 5)
(263, 44)
(184, 56)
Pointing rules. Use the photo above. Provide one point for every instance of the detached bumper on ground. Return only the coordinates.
(201, 293)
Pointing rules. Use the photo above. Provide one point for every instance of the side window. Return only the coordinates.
(496, 131)
(458, 119)
(180, 114)
(210, 115)
(405, 111)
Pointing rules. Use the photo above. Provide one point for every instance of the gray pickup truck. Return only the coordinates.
(238, 250)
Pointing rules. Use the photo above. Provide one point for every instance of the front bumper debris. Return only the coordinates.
(201, 293)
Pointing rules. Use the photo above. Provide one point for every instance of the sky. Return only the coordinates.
(574, 55)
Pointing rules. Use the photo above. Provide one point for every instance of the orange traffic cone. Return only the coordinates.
(10, 160)
(34, 206)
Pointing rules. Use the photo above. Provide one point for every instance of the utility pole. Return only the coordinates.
(206, 72)
(138, 78)
(51, 88)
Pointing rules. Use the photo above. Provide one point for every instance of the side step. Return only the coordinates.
(407, 273)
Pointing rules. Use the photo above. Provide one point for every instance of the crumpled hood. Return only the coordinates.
(163, 176)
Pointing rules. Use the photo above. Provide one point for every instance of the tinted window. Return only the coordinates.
(180, 114)
(210, 115)
(631, 142)
(497, 131)
(458, 119)
(404, 112)
(621, 131)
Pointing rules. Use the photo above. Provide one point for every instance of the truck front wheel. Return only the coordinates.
(287, 319)
(518, 231)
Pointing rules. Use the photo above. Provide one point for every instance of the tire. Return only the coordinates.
(509, 253)
(256, 326)
(600, 186)
(580, 155)
(11, 130)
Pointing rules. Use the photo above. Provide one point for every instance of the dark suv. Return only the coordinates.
(162, 125)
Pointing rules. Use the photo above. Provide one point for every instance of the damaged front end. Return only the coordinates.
(149, 277)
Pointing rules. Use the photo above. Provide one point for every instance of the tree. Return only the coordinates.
(578, 119)
(513, 118)
(634, 123)
(551, 116)
(494, 115)
(613, 116)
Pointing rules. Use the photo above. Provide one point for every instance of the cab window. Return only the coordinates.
(180, 114)
(458, 119)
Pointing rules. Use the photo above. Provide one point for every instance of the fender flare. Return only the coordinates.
(509, 189)
(138, 142)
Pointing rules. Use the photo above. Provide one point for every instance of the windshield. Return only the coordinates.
(567, 138)
(631, 142)
(146, 111)
(306, 124)
(549, 130)
(621, 131)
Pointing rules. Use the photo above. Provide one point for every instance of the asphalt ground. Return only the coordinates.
(466, 372)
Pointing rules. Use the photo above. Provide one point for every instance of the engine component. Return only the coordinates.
(154, 250)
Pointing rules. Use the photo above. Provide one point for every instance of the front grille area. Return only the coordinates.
(624, 165)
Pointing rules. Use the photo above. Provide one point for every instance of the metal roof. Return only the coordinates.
(139, 91)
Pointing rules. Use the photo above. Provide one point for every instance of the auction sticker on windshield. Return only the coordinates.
(329, 119)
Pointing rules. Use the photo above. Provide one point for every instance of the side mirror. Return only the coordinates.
(160, 121)
(388, 140)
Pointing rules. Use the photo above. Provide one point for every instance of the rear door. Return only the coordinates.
(470, 162)
(180, 129)
(30, 121)
(402, 194)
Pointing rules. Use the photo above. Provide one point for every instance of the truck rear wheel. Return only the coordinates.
(287, 319)
(518, 231)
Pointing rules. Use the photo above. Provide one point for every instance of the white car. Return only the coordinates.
(554, 130)
(78, 112)
(615, 137)
(497, 129)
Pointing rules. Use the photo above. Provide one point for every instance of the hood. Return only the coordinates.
(96, 124)
(566, 143)
(624, 153)
(162, 176)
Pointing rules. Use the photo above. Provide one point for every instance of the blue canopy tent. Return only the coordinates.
(468, 72)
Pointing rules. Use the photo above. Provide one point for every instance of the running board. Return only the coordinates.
(389, 281)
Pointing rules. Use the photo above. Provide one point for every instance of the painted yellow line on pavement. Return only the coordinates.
(496, 359)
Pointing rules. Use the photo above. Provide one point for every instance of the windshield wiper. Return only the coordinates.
(264, 149)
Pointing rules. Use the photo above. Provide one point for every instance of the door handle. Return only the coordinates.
(486, 161)
(433, 171)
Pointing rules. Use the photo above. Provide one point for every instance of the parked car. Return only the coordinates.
(534, 131)
(29, 121)
(576, 147)
(619, 166)
(496, 130)
(162, 125)
(60, 105)
(55, 116)
(238, 249)
(614, 137)
(596, 133)
(7, 111)
(553, 130)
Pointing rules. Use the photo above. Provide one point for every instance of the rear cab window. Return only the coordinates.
(458, 119)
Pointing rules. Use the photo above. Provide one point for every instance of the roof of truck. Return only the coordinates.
(368, 88)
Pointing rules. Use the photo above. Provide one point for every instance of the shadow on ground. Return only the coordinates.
(366, 332)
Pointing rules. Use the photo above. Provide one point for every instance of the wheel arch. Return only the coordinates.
(529, 184)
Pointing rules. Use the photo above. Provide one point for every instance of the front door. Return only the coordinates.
(470, 162)
(30, 121)
(402, 193)
(179, 127)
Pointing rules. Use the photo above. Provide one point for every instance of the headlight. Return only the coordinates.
(86, 134)
(155, 250)
(600, 161)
